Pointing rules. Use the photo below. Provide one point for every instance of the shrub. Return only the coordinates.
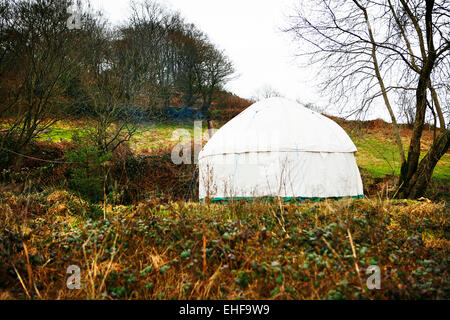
(88, 172)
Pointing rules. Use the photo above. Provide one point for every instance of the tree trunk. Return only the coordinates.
(205, 110)
(210, 128)
(416, 185)
(414, 176)
(409, 167)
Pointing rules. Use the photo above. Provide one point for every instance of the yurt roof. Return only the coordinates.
(278, 124)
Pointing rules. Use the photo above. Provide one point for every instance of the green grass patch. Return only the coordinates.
(379, 156)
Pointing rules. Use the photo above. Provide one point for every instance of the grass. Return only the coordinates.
(379, 155)
(59, 133)
(150, 137)
(256, 250)
(147, 138)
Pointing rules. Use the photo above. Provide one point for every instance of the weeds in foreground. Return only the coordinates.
(253, 250)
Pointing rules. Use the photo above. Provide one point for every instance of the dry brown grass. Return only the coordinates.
(256, 250)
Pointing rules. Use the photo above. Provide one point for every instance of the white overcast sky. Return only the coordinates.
(249, 32)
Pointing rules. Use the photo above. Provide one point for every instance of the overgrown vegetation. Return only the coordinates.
(258, 250)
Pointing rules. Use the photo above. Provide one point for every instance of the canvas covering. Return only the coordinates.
(276, 147)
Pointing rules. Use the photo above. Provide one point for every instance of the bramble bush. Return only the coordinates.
(257, 250)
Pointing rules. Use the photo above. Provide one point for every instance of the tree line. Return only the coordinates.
(115, 76)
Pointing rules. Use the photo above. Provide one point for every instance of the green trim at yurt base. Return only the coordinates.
(285, 199)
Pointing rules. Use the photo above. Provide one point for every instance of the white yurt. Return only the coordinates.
(278, 148)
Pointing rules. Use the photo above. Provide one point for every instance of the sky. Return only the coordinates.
(249, 31)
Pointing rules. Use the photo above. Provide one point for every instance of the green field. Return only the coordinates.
(380, 157)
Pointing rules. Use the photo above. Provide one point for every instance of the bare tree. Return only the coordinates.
(406, 112)
(311, 106)
(151, 26)
(112, 76)
(40, 56)
(7, 95)
(264, 92)
(115, 73)
(214, 71)
(380, 50)
(188, 46)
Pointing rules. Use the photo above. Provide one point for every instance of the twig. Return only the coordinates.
(334, 252)
(37, 159)
(21, 282)
(30, 273)
(356, 261)
(204, 254)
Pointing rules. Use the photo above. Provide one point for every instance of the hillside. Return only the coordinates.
(141, 240)
(377, 155)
